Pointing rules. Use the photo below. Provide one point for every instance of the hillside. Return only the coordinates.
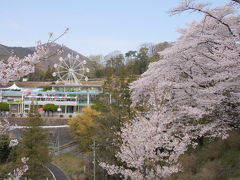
(6, 51)
(217, 160)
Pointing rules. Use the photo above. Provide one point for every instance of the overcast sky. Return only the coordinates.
(96, 26)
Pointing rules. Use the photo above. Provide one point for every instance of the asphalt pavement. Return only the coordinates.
(58, 173)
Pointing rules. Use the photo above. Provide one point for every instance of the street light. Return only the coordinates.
(59, 110)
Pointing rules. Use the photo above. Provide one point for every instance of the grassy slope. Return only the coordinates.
(70, 164)
(218, 160)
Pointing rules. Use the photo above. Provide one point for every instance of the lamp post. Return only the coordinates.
(59, 110)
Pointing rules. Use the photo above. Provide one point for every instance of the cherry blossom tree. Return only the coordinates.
(5, 127)
(192, 93)
(14, 69)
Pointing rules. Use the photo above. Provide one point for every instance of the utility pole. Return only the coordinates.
(94, 160)
(57, 144)
(93, 146)
(58, 140)
(110, 98)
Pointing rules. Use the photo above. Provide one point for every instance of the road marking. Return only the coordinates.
(51, 172)
(44, 127)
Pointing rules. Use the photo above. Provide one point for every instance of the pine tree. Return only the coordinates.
(34, 144)
(4, 147)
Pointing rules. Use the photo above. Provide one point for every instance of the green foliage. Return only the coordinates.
(99, 72)
(4, 106)
(137, 61)
(47, 88)
(219, 159)
(34, 144)
(4, 148)
(50, 108)
(113, 115)
(134, 62)
(82, 127)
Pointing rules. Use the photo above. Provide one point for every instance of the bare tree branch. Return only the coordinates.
(189, 5)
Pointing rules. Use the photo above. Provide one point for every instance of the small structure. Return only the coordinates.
(14, 87)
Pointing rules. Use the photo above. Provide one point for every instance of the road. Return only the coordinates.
(58, 173)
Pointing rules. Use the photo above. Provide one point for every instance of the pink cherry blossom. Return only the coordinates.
(192, 93)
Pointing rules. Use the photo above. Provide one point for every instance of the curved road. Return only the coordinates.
(58, 173)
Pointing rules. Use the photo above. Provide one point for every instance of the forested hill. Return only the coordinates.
(6, 51)
(115, 63)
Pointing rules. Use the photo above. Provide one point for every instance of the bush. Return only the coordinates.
(4, 106)
(47, 88)
(70, 115)
(13, 115)
(21, 115)
(50, 107)
(61, 115)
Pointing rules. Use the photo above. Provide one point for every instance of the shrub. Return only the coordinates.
(47, 88)
(4, 106)
(13, 115)
(61, 115)
(70, 115)
(50, 107)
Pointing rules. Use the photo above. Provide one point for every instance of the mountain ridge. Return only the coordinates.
(7, 51)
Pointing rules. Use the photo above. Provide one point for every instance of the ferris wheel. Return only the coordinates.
(71, 70)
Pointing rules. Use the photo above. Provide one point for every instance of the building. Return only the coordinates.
(70, 99)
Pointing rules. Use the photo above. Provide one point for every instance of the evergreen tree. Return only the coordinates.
(114, 106)
(4, 147)
(34, 144)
